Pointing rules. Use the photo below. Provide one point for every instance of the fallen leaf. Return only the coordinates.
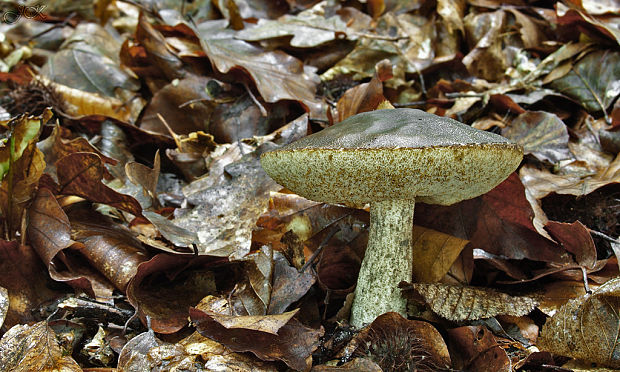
(576, 239)
(433, 254)
(270, 337)
(289, 285)
(277, 75)
(357, 364)
(227, 204)
(186, 105)
(89, 62)
(366, 96)
(500, 222)
(587, 327)
(147, 352)
(166, 286)
(475, 348)
(541, 183)
(80, 173)
(541, 134)
(592, 81)
(4, 304)
(458, 303)
(108, 247)
(146, 177)
(49, 231)
(486, 57)
(26, 280)
(33, 348)
(309, 28)
(25, 131)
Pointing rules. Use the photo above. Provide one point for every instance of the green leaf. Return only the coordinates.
(25, 131)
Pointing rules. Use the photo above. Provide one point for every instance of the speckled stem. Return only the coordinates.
(386, 263)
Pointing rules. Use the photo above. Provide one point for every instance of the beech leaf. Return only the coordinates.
(594, 81)
(33, 348)
(80, 174)
(587, 327)
(458, 303)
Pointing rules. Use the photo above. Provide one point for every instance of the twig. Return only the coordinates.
(599, 234)
(58, 25)
(409, 104)
(585, 280)
(319, 249)
(262, 109)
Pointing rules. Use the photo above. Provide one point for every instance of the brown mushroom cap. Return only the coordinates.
(394, 154)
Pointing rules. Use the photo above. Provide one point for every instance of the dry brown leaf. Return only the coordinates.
(476, 349)
(277, 75)
(541, 183)
(81, 103)
(541, 134)
(587, 327)
(366, 96)
(33, 348)
(110, 248)
(270, 337)
(146, 352)
(81, 174)
(165, 287)
(434, 253)
(26, 279)
(486, 58)
(458, 303)
(146, 177)
(49, 232)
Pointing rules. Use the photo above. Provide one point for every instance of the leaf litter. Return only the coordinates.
(140, 190)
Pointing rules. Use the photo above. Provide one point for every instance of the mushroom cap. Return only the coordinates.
(394, 154)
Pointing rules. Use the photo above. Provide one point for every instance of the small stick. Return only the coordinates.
(319, 249)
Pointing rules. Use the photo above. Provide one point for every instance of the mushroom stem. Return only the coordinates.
(387, 262)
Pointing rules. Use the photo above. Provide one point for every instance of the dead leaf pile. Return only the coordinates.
(139, 231)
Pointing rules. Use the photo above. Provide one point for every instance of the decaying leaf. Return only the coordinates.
(541, 183)
(50, 234)
(277, 75)
(593, 80)
(270, 337)
(228, 202)
(109, 248)
(366, 96)
(33, 348)
(433, 254)
(146, 177)
(27, 282)
(474, 348)
(587, 327)
(166, 286)
(81, 173)
(541, 134)
(458, 303)
(147, 352)
(308, 29)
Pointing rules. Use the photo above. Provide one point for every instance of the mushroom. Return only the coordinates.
(391, 158)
